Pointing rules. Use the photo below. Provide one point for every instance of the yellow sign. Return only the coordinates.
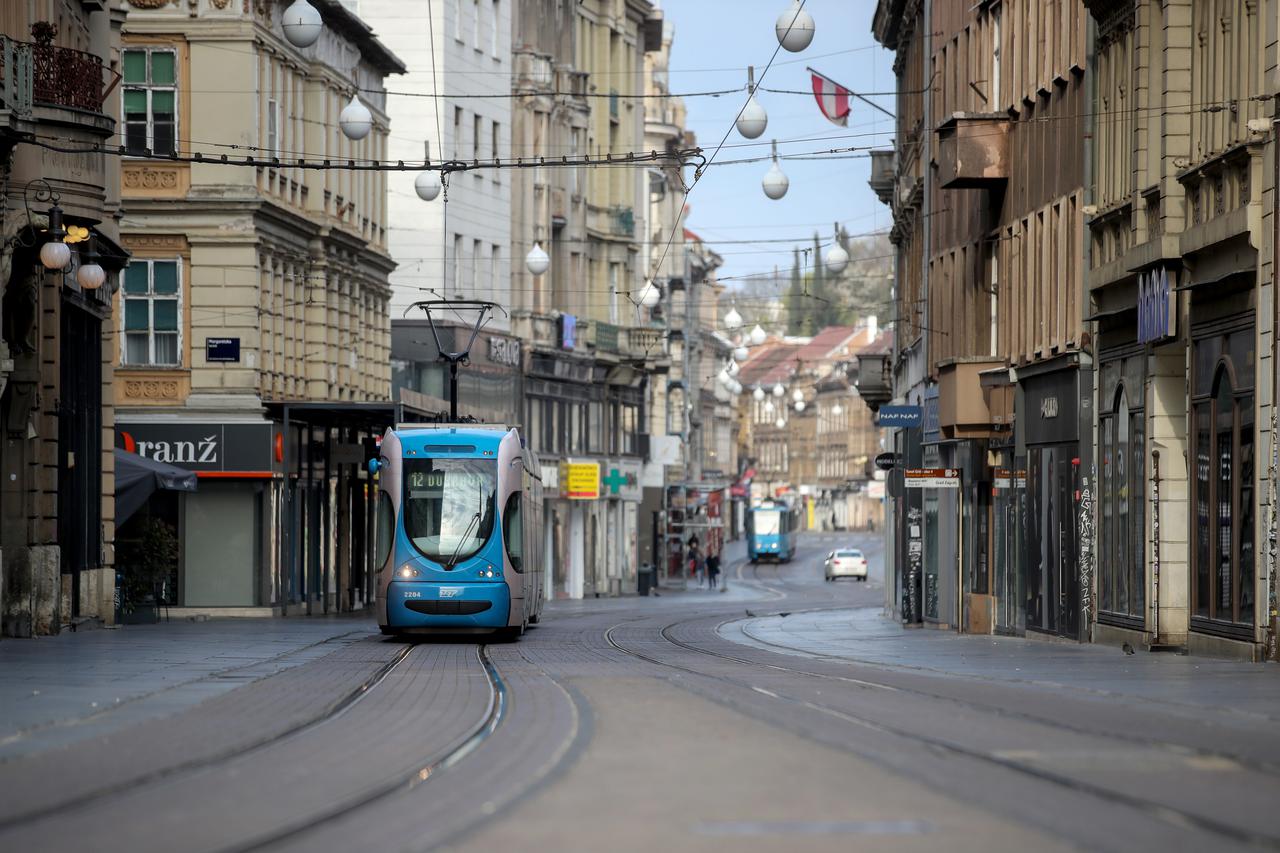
(580, 481)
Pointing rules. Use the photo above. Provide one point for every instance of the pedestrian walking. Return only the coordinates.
(713, 568)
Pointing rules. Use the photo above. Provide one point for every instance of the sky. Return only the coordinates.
(713, 43)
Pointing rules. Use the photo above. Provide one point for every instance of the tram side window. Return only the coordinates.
(386, 529)
(513, 532)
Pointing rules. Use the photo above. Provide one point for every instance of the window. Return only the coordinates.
(613, 292)
(386, 530)
(493, 149)
(477, 256)
(152, 297)
(476, 135)
(1122, 583)
(475, 24)
(457, 132)
(272, 145)
(150, 101)
(448, 506)
(513, 532)
(1222, 433)
(493, 271)
(457, 264)
(493, 34)
(457, 19)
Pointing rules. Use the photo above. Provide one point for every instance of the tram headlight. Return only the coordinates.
(407, 572)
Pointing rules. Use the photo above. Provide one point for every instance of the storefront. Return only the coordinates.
(224, 528)
(1058, 549)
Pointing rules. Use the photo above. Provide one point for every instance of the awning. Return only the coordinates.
(137, 477)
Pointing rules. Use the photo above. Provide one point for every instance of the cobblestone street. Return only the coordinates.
(781, 713)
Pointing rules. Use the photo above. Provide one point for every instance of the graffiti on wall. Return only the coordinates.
(915, 559)
(1086, 552)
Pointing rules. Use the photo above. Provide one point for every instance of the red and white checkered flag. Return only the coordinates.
(833, 99)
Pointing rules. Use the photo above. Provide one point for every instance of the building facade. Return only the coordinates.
(254, 315)
(57, 512)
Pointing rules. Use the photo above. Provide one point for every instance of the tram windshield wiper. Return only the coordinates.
(462, 540)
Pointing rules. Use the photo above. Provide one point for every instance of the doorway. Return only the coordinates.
(1050, 577)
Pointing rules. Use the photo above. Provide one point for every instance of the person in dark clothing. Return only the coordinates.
(713, 568)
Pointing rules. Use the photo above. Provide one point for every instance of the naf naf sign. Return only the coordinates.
(1157, 305)
(246, 448)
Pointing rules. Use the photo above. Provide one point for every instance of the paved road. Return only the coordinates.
(693, 721)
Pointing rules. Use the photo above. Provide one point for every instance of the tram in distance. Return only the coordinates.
(772, 527)
(460, 536)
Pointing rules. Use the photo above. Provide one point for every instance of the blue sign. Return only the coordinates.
(1157, 306)
(568, 331)
(898, 416)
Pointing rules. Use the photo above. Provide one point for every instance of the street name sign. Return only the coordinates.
(932, 478)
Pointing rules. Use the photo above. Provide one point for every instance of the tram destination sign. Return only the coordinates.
(931, 478)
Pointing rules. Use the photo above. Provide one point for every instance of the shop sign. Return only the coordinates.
(875, 490)
(568, 331)
(932, 478)
(888, 461)
(208, 447)
(1157, 305)
(580, 481)
(899, 416)
(505, 351)
(222, 349)
(621, 479)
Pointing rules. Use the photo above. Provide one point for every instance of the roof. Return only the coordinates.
(769, 364)
(827, 343)
(353, 27)
(882, 345)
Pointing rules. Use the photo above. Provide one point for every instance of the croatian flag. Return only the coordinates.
(833, 99)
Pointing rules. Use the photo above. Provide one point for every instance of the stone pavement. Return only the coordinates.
(55, 690)
(863, 635)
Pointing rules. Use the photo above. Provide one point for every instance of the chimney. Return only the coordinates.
(872, 327)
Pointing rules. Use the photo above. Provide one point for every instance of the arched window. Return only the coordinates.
(1223, 552)
(1122, 575)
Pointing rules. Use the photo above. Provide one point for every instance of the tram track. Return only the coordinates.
(335, 710)
(1169, 815)
(402, 782)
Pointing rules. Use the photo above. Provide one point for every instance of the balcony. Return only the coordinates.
(62, 77)
(874, 381)
(882, 177)
(963, 410)
(16, 86)
(973, 151)
(614, 221)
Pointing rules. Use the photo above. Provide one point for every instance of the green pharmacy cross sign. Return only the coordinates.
(615, 480)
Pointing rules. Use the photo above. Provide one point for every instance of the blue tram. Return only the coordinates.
(772, 527)
(460, 536)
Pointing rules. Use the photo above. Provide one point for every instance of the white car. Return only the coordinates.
(846, 563)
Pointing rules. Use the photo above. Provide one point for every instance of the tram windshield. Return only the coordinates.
(449, 506)
(768, 522)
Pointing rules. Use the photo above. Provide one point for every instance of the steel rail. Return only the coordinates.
(335, 710)
(1167, 814)
(493, 717)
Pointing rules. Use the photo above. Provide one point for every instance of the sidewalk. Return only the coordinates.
(56, 690)
(865, 636)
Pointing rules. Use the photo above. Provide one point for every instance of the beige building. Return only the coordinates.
(57, 507)
(1180, 279)
(253, 324)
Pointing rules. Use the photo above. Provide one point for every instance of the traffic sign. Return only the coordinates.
(932, 478)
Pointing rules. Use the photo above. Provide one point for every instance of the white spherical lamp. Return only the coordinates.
(537, 260)
(778, 390)
(768, 408)
(741, 353)
(836, 258)
(837, 410)
(301, 24)
(799, 405)
(733, 368)
(649, 295)
(797, 395)
(55, 255)
(775, 182)
(355, 120)
(753, 120)
(758, 335)
(91, 276)
(733, 320)
(427, 186)
(794, 28)
(757, 394)
(780, 423)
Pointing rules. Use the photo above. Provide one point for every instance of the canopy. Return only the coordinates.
(137, 477)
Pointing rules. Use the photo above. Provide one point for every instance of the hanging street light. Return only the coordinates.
(355, 120)
(758, 394)
(837, 410)
(301, 24)
(733, 320)
(768, 408)
(90, 275)
(799, 405)
(778, 390)
(797, 395)
(537, 260)
(427, 184)
(649, 294)
(55, 254)
(837, 257)
(741, 353)
(775, 183)
(780, 423)
(753, 119)
(758, 335)
(794, 28)
(734, 368)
